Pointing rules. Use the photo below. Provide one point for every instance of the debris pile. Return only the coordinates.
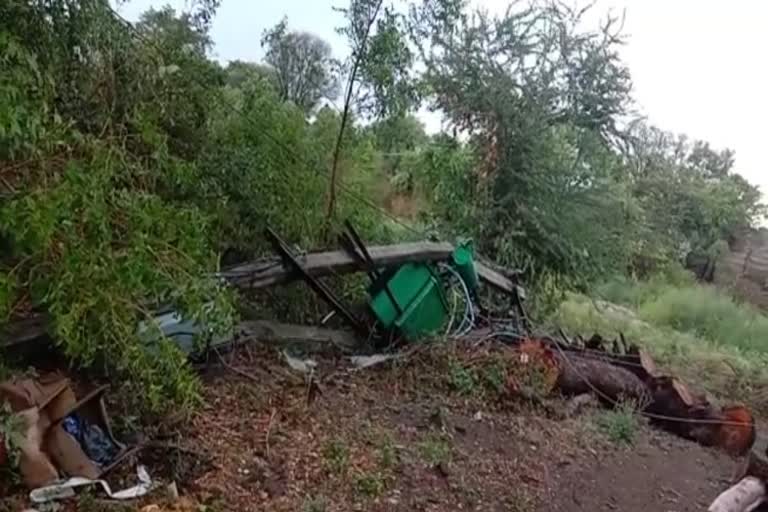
(408, 301)
(53, 434)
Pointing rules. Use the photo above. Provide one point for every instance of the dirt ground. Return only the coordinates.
(403, 437)
(398, 439)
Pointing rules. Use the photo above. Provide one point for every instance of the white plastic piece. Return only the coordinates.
(66, 489)
(745, 496)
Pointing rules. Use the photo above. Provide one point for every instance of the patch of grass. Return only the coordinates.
(710, 314)
(11, 435)
(701, 310)
(495, 377)
(387, 453)
(336, 454)
(371, 485)
(518, 501)
(462, 379)
(435, 449)
(314, 504)
(620, 424)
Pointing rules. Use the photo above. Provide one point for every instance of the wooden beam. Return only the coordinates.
(270, 272)
(495, 279)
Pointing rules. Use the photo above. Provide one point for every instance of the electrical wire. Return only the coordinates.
(468, 320)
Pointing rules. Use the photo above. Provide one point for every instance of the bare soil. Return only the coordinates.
(401, 437)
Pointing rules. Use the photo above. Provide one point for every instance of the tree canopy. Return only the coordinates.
(302, 65)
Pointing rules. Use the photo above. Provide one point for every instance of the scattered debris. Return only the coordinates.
(61, 435)
(745, 496)
(406, 303)
(66, 489)
(368, 361)
(300, 365)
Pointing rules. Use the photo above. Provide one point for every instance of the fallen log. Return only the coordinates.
(745, 496)
(665, 400)
(611, 383)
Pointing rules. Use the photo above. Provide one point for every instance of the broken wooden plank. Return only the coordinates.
(308, 338)
(497, 279)
(271, 272)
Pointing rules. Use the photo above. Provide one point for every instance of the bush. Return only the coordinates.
(710, 314)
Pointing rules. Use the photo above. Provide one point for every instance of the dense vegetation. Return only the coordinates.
(131, 163)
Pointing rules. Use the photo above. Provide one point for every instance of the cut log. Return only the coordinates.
(745, 496)
(579, 375)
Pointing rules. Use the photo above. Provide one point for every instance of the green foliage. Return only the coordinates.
(336, 454)
(302, 65)
(435, 449)
(462, 379)
(710, 314)
(130, 161)
(24, 93)
(315, 504)
(673, 300)
(620, 424)
(371, 485)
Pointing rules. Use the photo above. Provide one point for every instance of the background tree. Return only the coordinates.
(303, 66)
(378, 72)
(239, 72)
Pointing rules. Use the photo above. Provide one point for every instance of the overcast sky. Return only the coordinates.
(698, 66)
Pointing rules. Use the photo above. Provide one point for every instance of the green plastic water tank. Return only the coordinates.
(420, 307)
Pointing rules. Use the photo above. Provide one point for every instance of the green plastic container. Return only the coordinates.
(419, 295)
(463, 259)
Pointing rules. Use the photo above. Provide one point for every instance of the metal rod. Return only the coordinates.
(316, 285)
(354, 238)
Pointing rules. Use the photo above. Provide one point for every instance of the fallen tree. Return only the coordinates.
(618, 373)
